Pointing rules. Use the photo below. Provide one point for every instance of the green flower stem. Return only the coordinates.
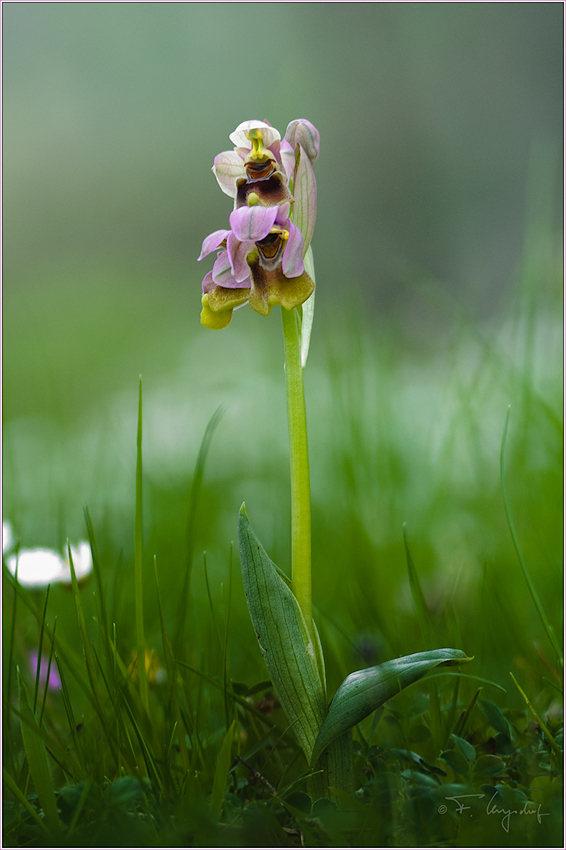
(300, 478)
(337, 762)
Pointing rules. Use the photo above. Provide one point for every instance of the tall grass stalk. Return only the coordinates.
(530, 584)
(138, 564)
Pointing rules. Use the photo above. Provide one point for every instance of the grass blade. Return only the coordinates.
(427, 631)
(532, 589)
(89, 658)
(171, 669)
(96, 570)
(423, 615)
(12, 785)
(49, 663)
(138, 564)
(538, 719)
(227, 705)
(221, 773)
(196, 488)
(36, 754)
(39, 650)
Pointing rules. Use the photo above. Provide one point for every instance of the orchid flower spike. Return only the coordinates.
(260, 258)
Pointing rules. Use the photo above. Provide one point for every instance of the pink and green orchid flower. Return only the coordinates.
(260, 262)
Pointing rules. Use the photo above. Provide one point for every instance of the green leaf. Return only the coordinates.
(221, 773)
(489, 766)
(365, 690)
(123, 792)
(495, 716)
(415, 758)
(465, 747)
(283, 638)
(37, 760)
(456, 760)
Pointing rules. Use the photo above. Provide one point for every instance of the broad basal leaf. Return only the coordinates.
(365, 690)
(283, 638)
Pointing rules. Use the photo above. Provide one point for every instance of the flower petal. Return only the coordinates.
(212, 242)
(283, 211)
(288, 159)
(54, 681)
(271, 287)
(222, 274)
(304, 190)
(228, 166)
(240, 138)
(214, 320)
(295, 292)
(250, 224)
(7, 537)
(207, 283)
(292, 263)
(271, 191)
(36, 567)
(302, 132)
(221, 299)
(82, 562)
(238, 252)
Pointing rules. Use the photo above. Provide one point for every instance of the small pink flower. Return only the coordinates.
(54, 680)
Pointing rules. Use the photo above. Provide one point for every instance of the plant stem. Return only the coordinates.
(300, 478)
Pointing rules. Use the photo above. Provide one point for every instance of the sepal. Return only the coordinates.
(304, 192)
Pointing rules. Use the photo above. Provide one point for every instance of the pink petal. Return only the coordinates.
(302, 132)
(238, 252)
(222, 273)
(212, 242)
(292, 264)
(250, 224)
(288, 159)
(283, 211)
(207, 283)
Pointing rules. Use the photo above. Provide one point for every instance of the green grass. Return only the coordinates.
(416, 544)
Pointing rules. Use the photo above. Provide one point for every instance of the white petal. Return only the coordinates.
(82, 560)
(37, 567)
(7, 536)
(240, 139)
(228, 166)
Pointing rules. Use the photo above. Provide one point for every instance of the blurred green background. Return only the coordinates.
(438, 266)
